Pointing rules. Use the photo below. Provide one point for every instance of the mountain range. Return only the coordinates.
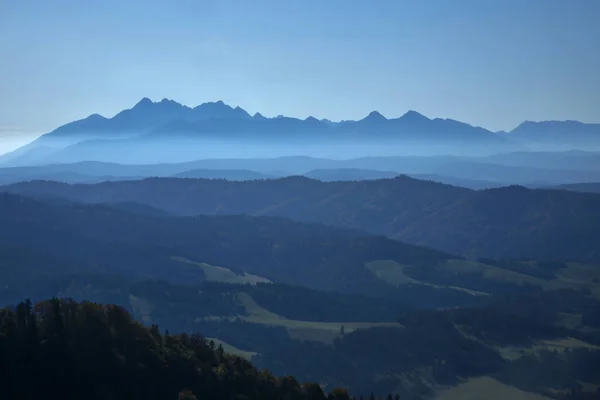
(555, 134)
(167, 131)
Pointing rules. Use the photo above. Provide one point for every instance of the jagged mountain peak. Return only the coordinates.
(169, 101)
(97, 117)
(144, 102)
(553, 125)
(375, 116)
(212, 104)
(220, 110)
(414, 115)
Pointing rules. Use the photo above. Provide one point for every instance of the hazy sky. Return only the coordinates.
(492, 63)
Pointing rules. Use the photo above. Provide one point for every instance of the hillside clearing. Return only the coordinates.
(393, 273)
(324, 332)
(222, 274)
(498, 274)
(583, 276)
(142, 309)
(231, 349)
(487, 388)
(558, 345)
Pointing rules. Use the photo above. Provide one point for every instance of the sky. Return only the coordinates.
(485, 62)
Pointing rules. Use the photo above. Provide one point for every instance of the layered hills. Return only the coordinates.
(508, 222)
(409, 257)
(332, 305)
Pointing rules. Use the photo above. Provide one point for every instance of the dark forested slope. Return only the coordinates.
(106, 254)
(100, 239)
(430, 349)
(511, 222)
(84, 350)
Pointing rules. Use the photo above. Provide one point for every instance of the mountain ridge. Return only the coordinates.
(528, 169)
(225, 110)
(509, 222)
(144, 128)
(174, 111)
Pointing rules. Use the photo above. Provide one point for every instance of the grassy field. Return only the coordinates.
(222, 274)
(498, 274)
(142, 309)
(589, 387)
(560, 345)
(486, 388)
(233, 350)
(393, 273)
(581, 275)
(324, 332)
(575, 276)
(570, 321)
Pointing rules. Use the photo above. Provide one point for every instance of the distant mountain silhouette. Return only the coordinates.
(29, 154)
(147, 121)
(227, 174)
(227, 127)
(143, 129)
(147, 114)
(349, 174)
(560, 134)
(411, 127)
(591, 187)
(357, 174)
(532, 169)
(476, 184)
(415, 126)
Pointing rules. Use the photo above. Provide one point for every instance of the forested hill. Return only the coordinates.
(100, 239)
(222, 276)
(63, 349)
(509, 222)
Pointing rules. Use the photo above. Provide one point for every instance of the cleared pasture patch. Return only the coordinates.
(142, 309)
(323, 332)
(582, 276)
(498, 274)
(231, 349)
(558, 345)
(561, 345)
(487, 388)
(313, 335)
(575, 276)
(222, 274)
(570, 321)
(393, 273)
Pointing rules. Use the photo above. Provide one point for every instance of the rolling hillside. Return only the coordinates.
(420, 353)
(509, 222)
(370, 306)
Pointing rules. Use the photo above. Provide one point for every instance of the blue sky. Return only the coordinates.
(492, 63)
